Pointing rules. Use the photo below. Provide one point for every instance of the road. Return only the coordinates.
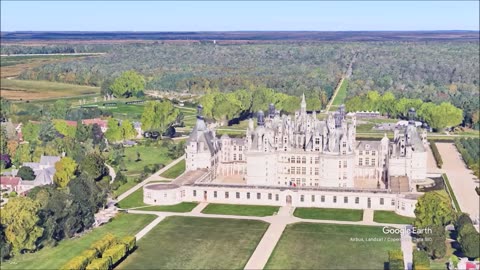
(155, 176)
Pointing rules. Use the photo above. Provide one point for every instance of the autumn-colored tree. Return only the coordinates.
(65, 171)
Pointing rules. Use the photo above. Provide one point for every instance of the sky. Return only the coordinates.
(238, 16)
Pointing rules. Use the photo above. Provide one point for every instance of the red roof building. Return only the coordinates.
(9, 182)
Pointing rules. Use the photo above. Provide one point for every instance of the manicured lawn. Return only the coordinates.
(31, 90)
(180, 208)
(240, 210)
(391, 217)
(175, 170)
(55, 257)
(329, 214)
(149, 155)
(133, 200)
(342, 94)
(331, 246)
(197, 243)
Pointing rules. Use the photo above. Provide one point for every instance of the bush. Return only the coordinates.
(130, 242)
(99, 264)
(12, 194)
(395, 260)
(106, 242)
(436, 154)
(420, 260)
(90, 254)
(115, 253)
(79, 262)
(454, 259)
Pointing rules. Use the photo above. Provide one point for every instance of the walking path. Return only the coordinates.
(461, 179)
(278, 224)
(155, 176)
(111, 172)
(334, 94)
(149, 227)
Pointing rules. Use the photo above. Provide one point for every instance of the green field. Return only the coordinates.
(240, 210)
(55, 257)
(329, 214)
(133, 200)
(149, 155)
(32, 90)
(391, 217)
(179, 208)
(197, 243)
(175, 171)
(331, 246)
(342, 94)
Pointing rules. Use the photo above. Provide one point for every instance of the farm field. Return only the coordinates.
(33, 90)
(329, 214)
(197, 243)
(55, 257)
(318, 246)
(240, 210)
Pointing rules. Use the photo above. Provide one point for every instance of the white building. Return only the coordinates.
(301, 160)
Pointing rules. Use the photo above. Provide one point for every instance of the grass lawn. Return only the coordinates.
(240, 210)
(391, 217)
(330, 246)
(180, 208)
(197, 243)
(329, 214)
(55, 257)
(133, 200)
(342, 94)
(149, 155)
(31, 90)
(175, 171)
(123, 188)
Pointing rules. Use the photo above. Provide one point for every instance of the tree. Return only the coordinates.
(23, 154)
(59, 110)
(94, 166)
(47, 132)
(96, 134)
(436, 248)
(261, 98)
(433, 208)
(12, 147)
(63, 128)
(5, 161)
(65, 171)
(158, 115)
(82, 131)
(3, 140)
(113, 133)
(127, 130)
(395, 260)
(26, 173)
(5, 247)
(105, 87)
(128, 84)
(20, 218)
(31, 132)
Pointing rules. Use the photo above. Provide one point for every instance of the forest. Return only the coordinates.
(432, 71)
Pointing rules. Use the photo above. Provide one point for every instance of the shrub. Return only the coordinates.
(436, 154)
(395, 260)
(130, 242)
(99, 264)
(91, 254)
(12, 194)
(115, 253)
(106, 242)
(420, 260)
(454, 259)
(77, 263)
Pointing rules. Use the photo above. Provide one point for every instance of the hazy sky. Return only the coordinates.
(246, 15)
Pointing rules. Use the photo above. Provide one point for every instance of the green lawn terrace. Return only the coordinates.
(197, 243)
(55, 257)
(240, 210)
(175, 171)
(332, 246)
(391, 217)
(329, 214)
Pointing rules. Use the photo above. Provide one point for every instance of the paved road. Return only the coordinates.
(461, 179)
(155, 176)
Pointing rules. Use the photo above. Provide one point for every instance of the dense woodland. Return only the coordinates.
(431, 71)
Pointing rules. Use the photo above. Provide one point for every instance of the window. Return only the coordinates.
(304, 170)
(381, 201)
(316, 171)
(194, 193)
(339, 164)
(269, 196)
(248, 195)
(344, 175)
(313, 198)
(214, 194)
(393, 202)
(298, 159)
(317, 160)
(304, 160)
(259, 196)
(367, 161)
(302, 198)
(234, 156)
(357, 200)
(367, 152)
(373, 153)
(335, 199)
(226, 195)
(276, 197)
(345, 199)
(292, 159)
(237, 195)
(317, 140)
(360, 162)
(298, 170)
(240, 148)
(344, 152)
(292, 170)
(344, 144)
(372, 162)
(322, 198)
(311, 160)
(234, 148)
(344, 164)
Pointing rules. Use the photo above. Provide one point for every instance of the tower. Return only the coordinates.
(303, 105)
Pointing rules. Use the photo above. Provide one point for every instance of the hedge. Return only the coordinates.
(77, 263)
(104, 243)
(420, 260)
(99, 264)
(395, 260)
(116, 253)
(90, 254)
(436, 154)
(130, 242)
(451, 193)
